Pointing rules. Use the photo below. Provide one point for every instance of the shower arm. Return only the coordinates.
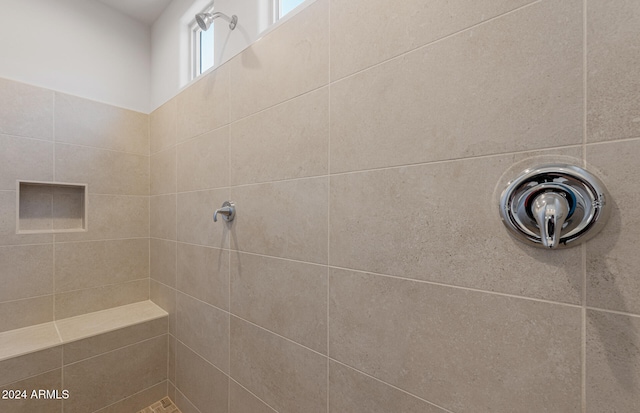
(233, 20)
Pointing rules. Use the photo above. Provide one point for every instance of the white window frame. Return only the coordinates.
(194, 38)
(277, 8)
(195, 44)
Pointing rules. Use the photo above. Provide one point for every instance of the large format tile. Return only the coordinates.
(203, 163)
(204, 329)
(163, 126)
(510, 85)
(195, 218)
(24, 159)
(204, 385)
(26, 312)
(25, 110)
(105, 171)
(287, 62)
(21, 367)
(285, 375)
(287, 297)
(464, 350)
(100, 381)
(26, 271)
(81, 265)
(163, 261)
(204, 105)
(365, 32)
(440, 222)
(241, 401)
(284, 219)
(612, 256)
(287, 141)
(163, 172)
(89, 123)
(113, 217)
(613, 58)
(353, 392)
(73, 303)
(613, 362)
(162, 216)
(203, 273)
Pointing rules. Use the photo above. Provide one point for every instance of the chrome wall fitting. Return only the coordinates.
(228, 212)
(554, 206)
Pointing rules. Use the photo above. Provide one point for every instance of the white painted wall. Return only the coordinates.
(170, 40)
(79, 47)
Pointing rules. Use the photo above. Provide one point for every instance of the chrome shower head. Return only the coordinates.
(204, 20)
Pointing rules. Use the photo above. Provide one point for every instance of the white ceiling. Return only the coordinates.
(145, 11)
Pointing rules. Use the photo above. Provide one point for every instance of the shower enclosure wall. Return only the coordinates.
(367, 269)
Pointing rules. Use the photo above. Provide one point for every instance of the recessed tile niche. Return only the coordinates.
(49, 207)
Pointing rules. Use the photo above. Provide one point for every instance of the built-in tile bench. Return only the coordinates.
(109, 361)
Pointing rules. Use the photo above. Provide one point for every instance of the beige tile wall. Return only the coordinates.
(49, 136)
(367, 269)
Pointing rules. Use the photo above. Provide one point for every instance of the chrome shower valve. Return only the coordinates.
(554, 206)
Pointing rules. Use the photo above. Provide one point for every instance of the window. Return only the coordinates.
(201, 49)
(283, 7)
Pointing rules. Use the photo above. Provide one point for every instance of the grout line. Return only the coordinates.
(199, 300)
(281, 103)
(99, 240)
(583, 344)
(53, 240)
(541, 300)
(337, 361)
(111, 351)
(229, 262)
(201, 356)
(31, 138)
(635, 138)
(538, 151)
(188, 400)
(423, 46)
(101, 149)
(128, 397)
(25, 299)
(279, 335)
(328, 213)
(30, 377)
(391, 385)
(604, 310)
(62, 379)
(123, 195)
(407, 165)
(27, 245)
(251, 393)
(103, 286)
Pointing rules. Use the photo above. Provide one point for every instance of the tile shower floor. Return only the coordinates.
(163, 406)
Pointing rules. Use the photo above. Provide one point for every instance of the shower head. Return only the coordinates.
(204, 20)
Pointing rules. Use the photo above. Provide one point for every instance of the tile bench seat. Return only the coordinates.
(113, 360)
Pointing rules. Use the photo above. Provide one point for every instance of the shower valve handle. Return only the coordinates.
(228, 212)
